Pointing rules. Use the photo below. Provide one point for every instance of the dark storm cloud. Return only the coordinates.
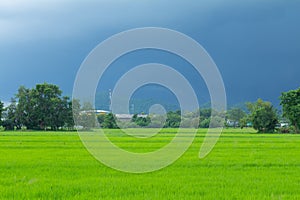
(255, 44)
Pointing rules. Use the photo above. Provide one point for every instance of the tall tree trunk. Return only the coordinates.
(297, 128)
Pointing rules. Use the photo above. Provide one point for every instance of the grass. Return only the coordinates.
(243, 165)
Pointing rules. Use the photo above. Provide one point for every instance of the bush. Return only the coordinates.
(23, 128)
(290, 129)
(283, 130)
(2, 128)
(216, 122)
(204, 123)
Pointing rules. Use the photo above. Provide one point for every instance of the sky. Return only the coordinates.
(255, 44)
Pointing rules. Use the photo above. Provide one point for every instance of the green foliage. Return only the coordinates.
(23, 128)
(84, 116)
(288, 129)
(193, 120)
(204, 123)
(211, 118)
(235, 115)
(101, 118)
(205, 113)
(263, 116)
(157, 121)
(109, 121)
(244, 121)
(290, 102)
(134, 118)
(2, 128)
(173, 119)
(11, 119)
(44, 107)
(216, 121)
(87, 120)
(141, 121)
(40, 108)
(1, 110)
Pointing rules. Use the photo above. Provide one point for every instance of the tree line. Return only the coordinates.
(263, 117)
(44, 108)
(40, 108)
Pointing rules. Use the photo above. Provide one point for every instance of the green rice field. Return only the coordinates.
(243, 165)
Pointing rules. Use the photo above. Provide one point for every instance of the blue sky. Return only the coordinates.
(255, 44)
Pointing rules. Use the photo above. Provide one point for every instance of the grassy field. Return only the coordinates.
(243, 165)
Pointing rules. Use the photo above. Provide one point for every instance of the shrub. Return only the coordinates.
(2, 128)
(23, 128)
(289, 129)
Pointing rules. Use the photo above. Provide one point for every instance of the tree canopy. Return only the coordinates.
(41, 108)
(290, 102)
(1, 110)
(236, 115)
(263, 116)
(141, 121)
(109, 121)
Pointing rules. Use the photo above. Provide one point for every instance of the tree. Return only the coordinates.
(134, 118)
(109, 121)
(24, 114)
(290, 102)
(205, 116)
(101, 118)
(244, 122)
(43, 107)
(236, 114)
(263, 116)
(1, 110)
(10, 121)
(141, 121)
(204, 123)
(173, 119)
(86, 115)
(48, 105)
(62, 113)
(205, 113)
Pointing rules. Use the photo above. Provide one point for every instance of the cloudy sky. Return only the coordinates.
(255, 44)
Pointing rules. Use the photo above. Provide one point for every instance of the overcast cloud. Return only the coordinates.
(255, 44)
